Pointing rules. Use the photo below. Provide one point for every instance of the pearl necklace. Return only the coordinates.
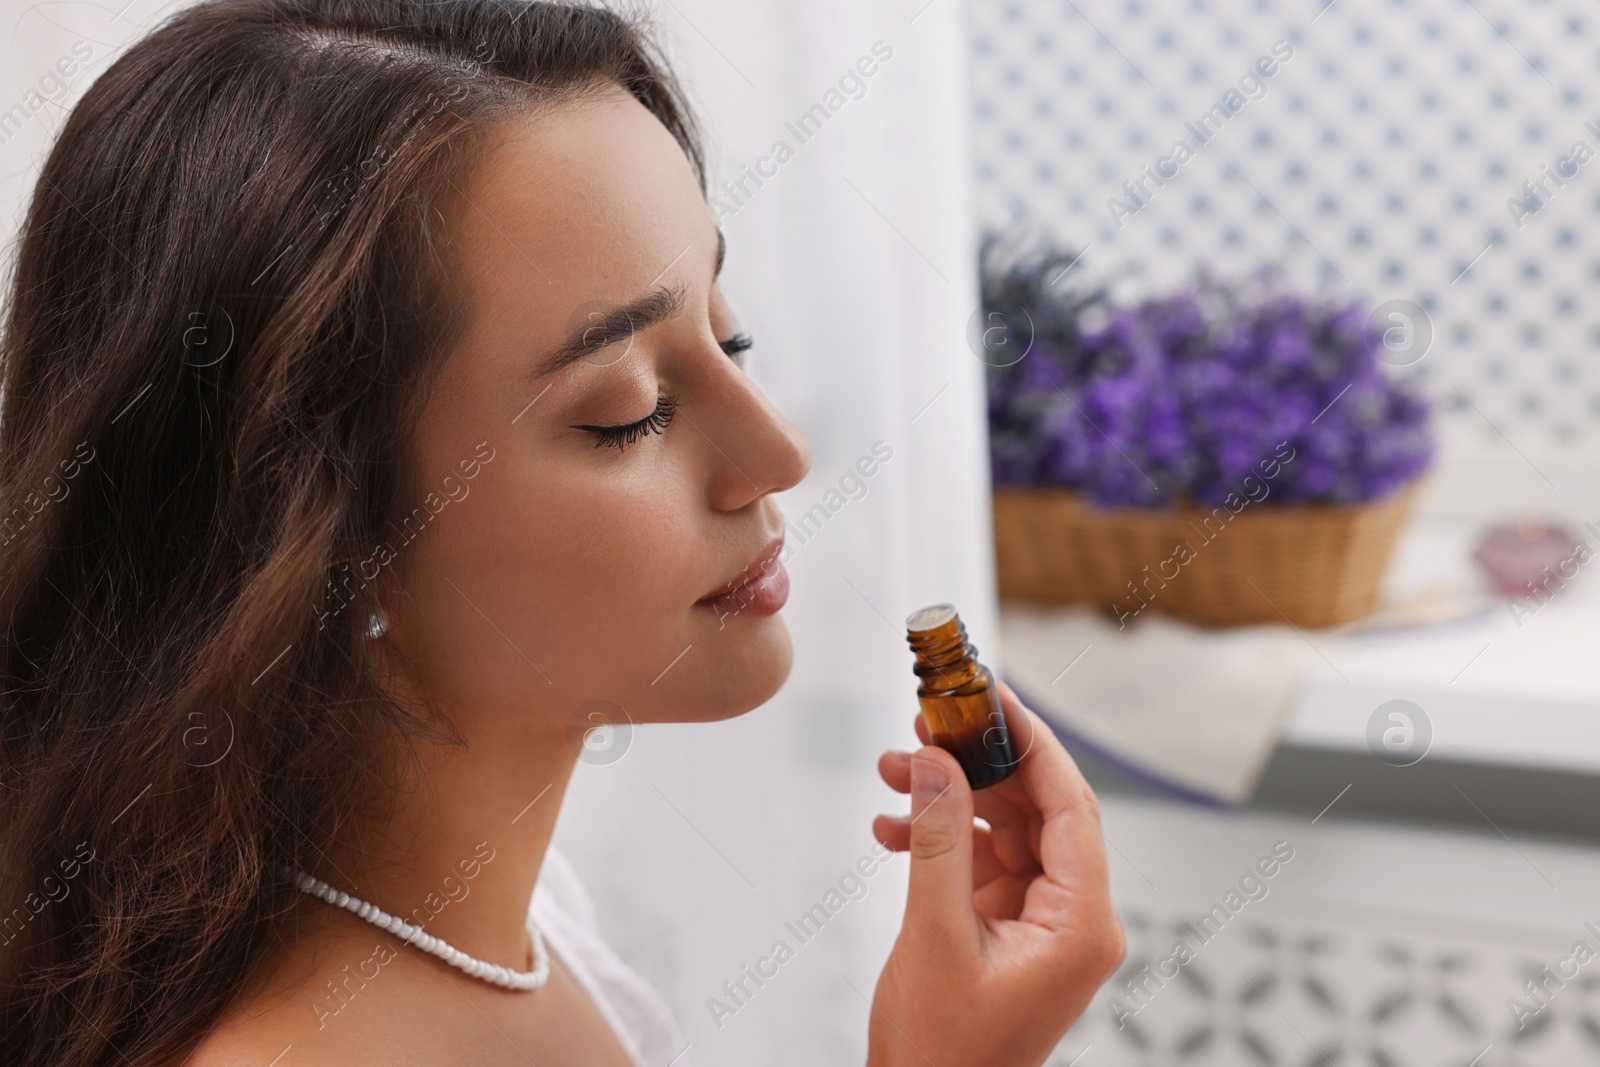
(489, 972)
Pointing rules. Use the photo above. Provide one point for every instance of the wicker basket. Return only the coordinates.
(1313, 566)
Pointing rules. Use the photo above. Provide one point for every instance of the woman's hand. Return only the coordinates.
(1008, 930)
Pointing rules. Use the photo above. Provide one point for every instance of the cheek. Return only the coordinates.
(599, 552)
(557, 576)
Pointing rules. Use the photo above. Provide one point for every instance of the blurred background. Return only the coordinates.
(1064, 276)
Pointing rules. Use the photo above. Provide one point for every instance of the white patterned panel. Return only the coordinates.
(1378, 165)
(1369, 945)
(1277, 994)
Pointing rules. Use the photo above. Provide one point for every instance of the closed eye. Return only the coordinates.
(736, 346)
(620, 437)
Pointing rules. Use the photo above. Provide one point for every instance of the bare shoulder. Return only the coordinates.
(359, 995)
(344, 1004)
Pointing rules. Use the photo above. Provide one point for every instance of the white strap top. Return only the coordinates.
(635, 1011)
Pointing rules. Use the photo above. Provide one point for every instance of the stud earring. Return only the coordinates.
(377, 624)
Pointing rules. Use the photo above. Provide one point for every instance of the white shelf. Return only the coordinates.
(1495, 688)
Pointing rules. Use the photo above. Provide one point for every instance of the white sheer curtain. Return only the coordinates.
(853, 266)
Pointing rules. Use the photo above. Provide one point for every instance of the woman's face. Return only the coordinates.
(566, 574)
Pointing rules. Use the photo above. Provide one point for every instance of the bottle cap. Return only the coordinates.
(930, 618)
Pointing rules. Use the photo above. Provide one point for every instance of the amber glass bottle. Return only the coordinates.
(959, 701)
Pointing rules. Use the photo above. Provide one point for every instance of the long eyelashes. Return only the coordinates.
(736, 345)
(622, 436)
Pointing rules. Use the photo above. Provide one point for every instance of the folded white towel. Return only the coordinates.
(1197, 710)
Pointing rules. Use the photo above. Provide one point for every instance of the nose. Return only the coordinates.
(754, 449)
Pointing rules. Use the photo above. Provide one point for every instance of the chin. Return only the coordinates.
(747, 663)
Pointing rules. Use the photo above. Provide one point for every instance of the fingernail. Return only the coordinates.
(928, 778)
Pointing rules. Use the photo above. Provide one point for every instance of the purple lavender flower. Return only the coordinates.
(1182, 398)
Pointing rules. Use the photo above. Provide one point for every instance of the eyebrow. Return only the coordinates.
(621, 322)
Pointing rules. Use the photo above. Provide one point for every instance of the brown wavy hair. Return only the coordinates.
(228, 301)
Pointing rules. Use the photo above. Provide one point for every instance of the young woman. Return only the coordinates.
(371, 416)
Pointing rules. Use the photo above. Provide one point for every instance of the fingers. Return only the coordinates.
(894, 831)
(1047, 790)
(894, 767)
(1012, 829)
(1049, 776)
(1071, 847)
(939, 896)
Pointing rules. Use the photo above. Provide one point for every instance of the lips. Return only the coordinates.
(759, 589)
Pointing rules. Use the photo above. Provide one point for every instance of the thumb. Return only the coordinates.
(939, 897)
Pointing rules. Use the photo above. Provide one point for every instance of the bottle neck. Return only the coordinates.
(944, 658)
